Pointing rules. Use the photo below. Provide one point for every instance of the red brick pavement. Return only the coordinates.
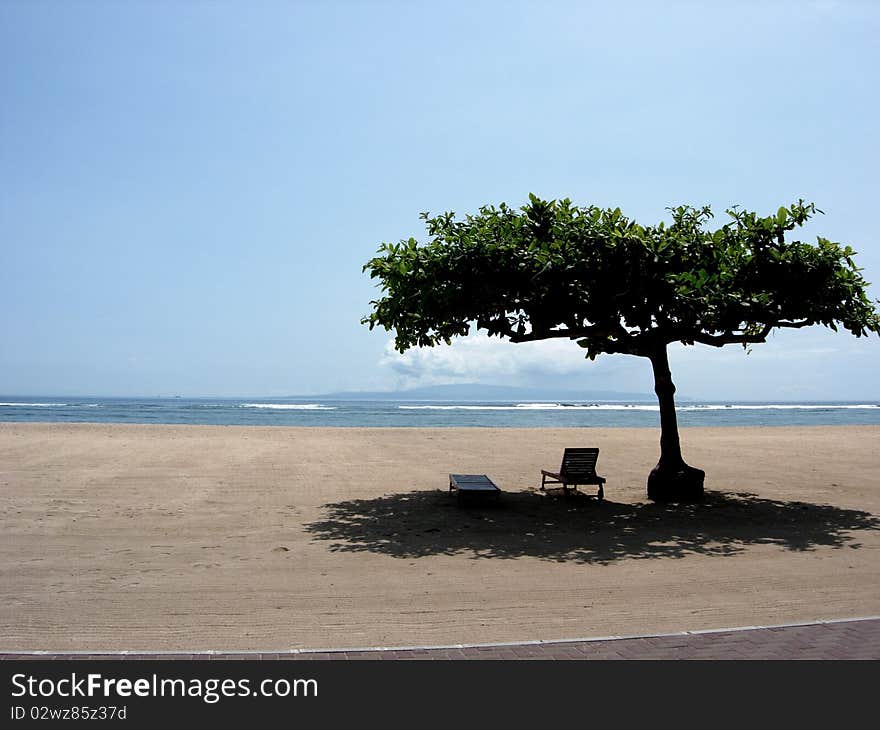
(854, 639)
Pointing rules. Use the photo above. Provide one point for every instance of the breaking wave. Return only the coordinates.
(290, 406)
(32, 405)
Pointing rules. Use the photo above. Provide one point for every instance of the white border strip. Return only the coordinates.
(434, 647)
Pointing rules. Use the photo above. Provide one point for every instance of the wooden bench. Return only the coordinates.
(473, 484)
(578, 467)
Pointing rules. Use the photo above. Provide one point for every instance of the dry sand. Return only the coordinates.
(206, 537)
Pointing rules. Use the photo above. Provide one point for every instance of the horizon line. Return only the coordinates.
(337, 397)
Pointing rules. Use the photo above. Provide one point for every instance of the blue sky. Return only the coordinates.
(188, 191)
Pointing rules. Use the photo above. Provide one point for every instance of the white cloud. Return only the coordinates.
(813, 364)
(479, 358)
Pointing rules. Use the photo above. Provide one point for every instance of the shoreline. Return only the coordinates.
(404, 429)
(390, 414)
(157, 537)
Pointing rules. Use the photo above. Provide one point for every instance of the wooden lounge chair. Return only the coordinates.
(578, 467)
(473, 484)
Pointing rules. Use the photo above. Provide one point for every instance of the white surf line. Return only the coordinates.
(433, 647)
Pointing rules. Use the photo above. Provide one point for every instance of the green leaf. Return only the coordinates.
(552, 267)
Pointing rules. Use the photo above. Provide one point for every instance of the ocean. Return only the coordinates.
(432, 414)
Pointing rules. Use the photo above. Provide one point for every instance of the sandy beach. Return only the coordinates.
(206, 537)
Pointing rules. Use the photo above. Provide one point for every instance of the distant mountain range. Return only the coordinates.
(479, 392)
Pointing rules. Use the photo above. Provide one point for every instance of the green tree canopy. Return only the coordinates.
(552, 269)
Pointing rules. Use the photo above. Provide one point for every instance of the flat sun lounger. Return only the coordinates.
(578, 467)
(473, 484)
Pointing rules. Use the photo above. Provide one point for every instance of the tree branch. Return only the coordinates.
(622, 341)
(571, 333)
(617, 339)
(729, 338)
(742, 338)
(546, 335)
(795, 325)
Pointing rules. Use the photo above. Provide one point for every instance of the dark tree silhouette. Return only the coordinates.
(552, 269)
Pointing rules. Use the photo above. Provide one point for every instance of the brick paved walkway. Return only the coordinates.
(854, 639)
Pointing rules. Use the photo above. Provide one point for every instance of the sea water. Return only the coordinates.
(432, 414)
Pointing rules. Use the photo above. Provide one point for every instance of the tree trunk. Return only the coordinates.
(671, 480)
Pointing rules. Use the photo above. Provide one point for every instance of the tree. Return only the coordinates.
(552, 269)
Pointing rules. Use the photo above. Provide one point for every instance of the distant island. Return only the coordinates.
(480, 392)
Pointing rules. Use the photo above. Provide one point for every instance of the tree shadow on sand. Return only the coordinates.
(579, 529)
